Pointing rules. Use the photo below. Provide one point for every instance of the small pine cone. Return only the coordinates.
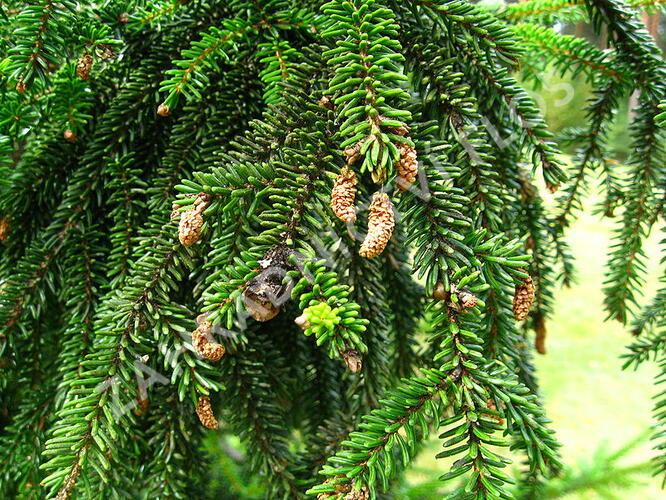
(343, 195)
(69, 136)
(352, 359)
(522, 299)
(204, 346)
(191, 221)
(540, 327)
(4, 228)
(84, 66)
(189, 228)
(205, 413)
(381, 222)
(407, 166)
(163, 110)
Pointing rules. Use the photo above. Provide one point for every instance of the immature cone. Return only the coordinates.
(123, 18)
(191, 221)
(407, 166)
(381, 222)
(205, 413)
(343, 195)
(163, 110)
(84, 66)
(204, 345)
(522, 299)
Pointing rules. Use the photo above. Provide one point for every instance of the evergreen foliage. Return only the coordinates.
(172, 177)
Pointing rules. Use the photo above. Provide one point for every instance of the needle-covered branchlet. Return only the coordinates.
(203, 342)
(205, 413)
(343, 195)
(407, 166)
(381, 222)
(191, 221)
(523, 298)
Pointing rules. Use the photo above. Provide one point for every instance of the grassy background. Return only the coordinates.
(591, 401)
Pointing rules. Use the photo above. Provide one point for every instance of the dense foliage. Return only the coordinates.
(317, 227)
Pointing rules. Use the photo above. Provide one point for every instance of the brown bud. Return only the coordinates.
(353, 153)
(141, 406)
(21, 87)
(205, 413)
(343, 196)
(467, 299)
(84, 66)
(205, 346)
(552, 188)
(163, 110)
(522, 299)
(326, 102)
(352, 359)
(303, 322)
(123, 18)
(4, 228)
(69, 136)
(381, 222)
(407, 166)
(439, 292)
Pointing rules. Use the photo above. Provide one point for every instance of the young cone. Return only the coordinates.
(407, 166)
(191, 221)
(343, 195)
(522, 299)
(205, 413)
(84, 66)
(381, 222)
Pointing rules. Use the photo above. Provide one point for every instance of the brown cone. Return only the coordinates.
(205, 413)
(381, 222)
(205, 346)
(522, 299)
(191, 221)
(84, 66)
(407, 166)
(343, 195)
